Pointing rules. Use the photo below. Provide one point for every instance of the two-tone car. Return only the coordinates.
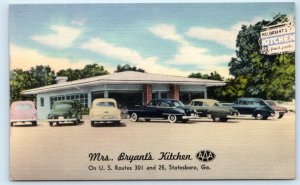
(22, 112)
(213, 109)
(65, 111)
(104, 110)
(168, 109)
(254, 107)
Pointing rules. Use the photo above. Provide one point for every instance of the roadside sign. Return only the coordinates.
(278, 39)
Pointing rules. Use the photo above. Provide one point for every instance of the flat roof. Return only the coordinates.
(127, 77)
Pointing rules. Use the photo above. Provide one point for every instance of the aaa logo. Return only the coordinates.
(205, 155)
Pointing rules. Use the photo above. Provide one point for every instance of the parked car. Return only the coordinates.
(279, 110)
(213, 109)
(254, 107)
(65, 111)
(23, 111)
(170, 109)
(104, 110)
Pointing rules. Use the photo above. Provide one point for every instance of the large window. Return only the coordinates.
(56, 98)
(83, 98)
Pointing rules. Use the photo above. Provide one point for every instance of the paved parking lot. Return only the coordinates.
(61, 152)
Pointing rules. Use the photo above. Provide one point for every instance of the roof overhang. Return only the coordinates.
(94, 81)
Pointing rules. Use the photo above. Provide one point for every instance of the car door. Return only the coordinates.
(241, 106)
(164, 108)
(201, 108)
(151, 109)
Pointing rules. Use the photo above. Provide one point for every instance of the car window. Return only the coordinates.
(164, 104)
(23, 107)
(258, 103)
(62, 106)
(105, 104)
(176, 103)
(152, 103)
(242, 102)
(197, 103)
(205, 104)
(217, 104)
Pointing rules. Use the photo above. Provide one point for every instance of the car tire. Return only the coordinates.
(12, 124)
(223, 119)
(51, 124)
(134, 117)
(147, 120)
(93, 123)
(57, 123)
(259, 116)
(215, 119)
(280, 116)
(34, 123)
(172, 118)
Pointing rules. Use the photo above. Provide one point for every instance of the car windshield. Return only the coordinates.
(177, 103)
(105, 104)
(218, 104)
(23, 107)
(63, 106)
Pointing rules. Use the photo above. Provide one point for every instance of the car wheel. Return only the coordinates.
(34, 123)
(223, 119)
(259, 116)
(12, 124)
(134, 117)
(280, 116)
(51, 124)
(92, 123)
(185, 120)
(172, 118)
(57, 123)
(215, 119)
(147, 120)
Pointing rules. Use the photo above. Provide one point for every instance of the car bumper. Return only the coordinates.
(23, 120)
(190, 117)
(62, 120)
(234, 116)
(105, 120)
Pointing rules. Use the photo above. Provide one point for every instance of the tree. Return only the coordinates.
(127, 67)
(35, 77)
(267, 76)
(212, 76)
(211, 91)
(89, 70)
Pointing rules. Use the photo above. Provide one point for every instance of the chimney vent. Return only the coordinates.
(61, 79)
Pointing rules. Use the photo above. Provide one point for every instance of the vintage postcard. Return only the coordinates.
(152, 91)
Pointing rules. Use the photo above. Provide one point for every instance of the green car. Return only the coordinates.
(65, 111)
(213, 109)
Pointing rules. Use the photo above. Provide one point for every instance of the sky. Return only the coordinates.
(173, 39)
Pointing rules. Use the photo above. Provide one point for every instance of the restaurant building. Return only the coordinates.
(128, 88)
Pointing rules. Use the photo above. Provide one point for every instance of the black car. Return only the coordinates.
(254, 107)
(170, 109)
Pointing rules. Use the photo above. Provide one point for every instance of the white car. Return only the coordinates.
(104, 110)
